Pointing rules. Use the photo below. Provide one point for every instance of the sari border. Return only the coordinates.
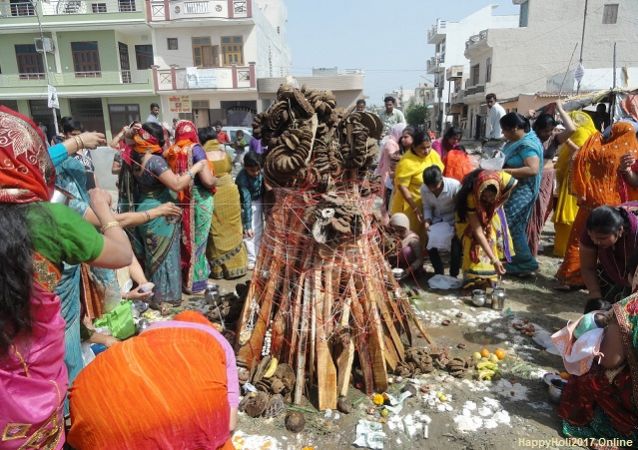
(622, 316)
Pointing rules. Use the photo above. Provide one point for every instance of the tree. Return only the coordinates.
(416, 115)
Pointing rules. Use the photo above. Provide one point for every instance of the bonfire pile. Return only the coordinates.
(322, 302)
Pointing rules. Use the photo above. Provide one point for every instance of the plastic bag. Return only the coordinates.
(444, 282)
(494, 163)
(119, 321)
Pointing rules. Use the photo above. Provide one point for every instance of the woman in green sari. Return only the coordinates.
(156, 243)
(197, 202)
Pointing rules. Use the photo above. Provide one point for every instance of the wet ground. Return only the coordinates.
(465, 413)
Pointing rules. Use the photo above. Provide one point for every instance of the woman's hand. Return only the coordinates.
(99, 200)
(626, 161)
(168, 209)
(92, 139)
(199, 166)
(498, 266)
(141, 292)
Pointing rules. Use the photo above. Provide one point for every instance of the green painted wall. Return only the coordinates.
(8, 62)
(107, 47)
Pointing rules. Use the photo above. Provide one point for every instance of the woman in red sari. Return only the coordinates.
(37, 237)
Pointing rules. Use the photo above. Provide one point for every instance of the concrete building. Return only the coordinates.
(210, 54)
(448, 38)
(523, 60)
(110, 59)
(347, 86)
(102, 76)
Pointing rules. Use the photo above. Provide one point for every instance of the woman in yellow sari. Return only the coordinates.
(408, 179)
(567, 207)
(226, 251)
(482, 227)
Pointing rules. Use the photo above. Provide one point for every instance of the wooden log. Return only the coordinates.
(296, 308)
(345, 358)
(315, 297)
(326, 370)
(303, 343)
(376, 342)
(361, 340)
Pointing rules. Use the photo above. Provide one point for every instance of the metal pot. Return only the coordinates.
(478, 297)
(498, 298)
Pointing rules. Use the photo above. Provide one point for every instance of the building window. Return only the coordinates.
(488, 70)
(126, 5)
(204, 54)
(144, 56)
(610, 13)
(98, 7)
(22, 8)
(171, 43)
(474, 74)
(86, 59)
(123, 115)
(89, 111)
(233, 50)
(524, 15)
(30, 65)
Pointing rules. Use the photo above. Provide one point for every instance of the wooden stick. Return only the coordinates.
(326, 370)
(345, 358)
(303, 344)
(361, 340)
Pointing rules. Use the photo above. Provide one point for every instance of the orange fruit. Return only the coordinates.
(565, 375)
(485, 352)
(500, 353)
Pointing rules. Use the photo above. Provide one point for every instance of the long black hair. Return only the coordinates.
(410, 132)
(467, 187)
(606, 220)
(449, 134)
(543, 122)
(16, 277)
(513, 120)
(155, 130)
(419, 137)
(206, 134)
(69, 125)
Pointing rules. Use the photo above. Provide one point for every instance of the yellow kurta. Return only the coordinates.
(409, 173)
(566, 206)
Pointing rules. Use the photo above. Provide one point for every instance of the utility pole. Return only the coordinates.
(582, 42)
(614, 65)
(46, 64)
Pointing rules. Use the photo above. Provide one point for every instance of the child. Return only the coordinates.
(250, 182)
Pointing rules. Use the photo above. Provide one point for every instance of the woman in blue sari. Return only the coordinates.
(157, 242)
(523, 160)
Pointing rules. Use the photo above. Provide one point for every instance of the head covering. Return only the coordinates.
(185, 130)
(145, 142)
(397, 131)
(400, 220)
(595, 169)
(502, 182)
(27, 174)
(578, 353)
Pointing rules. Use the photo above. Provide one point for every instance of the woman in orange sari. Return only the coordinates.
(597, 181)
(174, 386)
(197, 204)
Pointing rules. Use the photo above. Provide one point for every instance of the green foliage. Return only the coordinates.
(416, 115)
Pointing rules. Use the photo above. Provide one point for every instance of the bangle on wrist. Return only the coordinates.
(148, 216)
(110, 225)
(79, 136)
(78, 143)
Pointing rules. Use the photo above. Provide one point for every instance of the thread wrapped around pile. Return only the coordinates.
(322, 299)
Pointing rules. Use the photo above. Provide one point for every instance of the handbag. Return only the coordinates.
(119, 321)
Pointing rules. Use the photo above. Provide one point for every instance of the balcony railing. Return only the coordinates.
(176, 79)
(70, 7)
(161, 10)
(479, 88)
(439, 28)
(69, 79)
(482, 36)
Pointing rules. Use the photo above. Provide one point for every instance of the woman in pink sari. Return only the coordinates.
(390, 155)
(37, 237)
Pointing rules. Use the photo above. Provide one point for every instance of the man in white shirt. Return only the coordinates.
(390, 116)
(438, 195)
(154, 115)
(493, 125)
